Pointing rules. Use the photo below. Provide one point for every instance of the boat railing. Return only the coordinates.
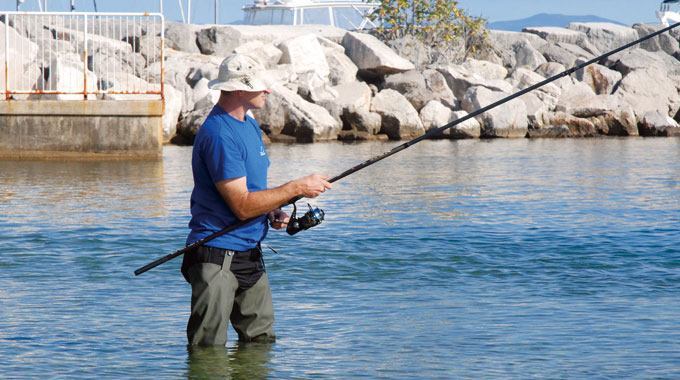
(82, 55)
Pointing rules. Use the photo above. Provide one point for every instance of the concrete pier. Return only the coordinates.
(81, 129)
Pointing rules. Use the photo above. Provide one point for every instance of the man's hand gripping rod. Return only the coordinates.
(399, 148)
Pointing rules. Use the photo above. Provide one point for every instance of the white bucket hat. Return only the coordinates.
(238, 72)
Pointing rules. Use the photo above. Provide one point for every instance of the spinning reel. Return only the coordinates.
(310, 219)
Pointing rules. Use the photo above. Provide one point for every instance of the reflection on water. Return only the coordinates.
(453, 259)
(243, 362)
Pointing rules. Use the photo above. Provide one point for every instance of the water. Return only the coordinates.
(466, 259)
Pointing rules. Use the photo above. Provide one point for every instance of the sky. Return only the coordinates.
(625, 11)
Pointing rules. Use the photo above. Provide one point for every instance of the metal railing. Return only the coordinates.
(79, 55)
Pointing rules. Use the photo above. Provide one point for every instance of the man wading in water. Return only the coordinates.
(229, 163)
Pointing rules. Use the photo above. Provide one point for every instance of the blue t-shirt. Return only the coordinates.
(226, 148)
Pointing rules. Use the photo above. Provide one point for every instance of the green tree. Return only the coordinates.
(447, 32)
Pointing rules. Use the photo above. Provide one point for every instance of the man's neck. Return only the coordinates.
(233, 107)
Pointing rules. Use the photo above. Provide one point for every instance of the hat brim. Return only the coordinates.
(256, 85)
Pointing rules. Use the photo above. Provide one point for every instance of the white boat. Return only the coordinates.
(668, 12)
(346, 14)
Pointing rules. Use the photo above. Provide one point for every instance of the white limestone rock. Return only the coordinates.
(370, 54)
(436, 84)
(460, 80)
(65, 74)
(287, 113)
(182, 37)
(173, 107)
(655, 123)
(508, 120)
(600, 78)
(305, 54)
(606, 36)
(399, 119)
(485, 69)
(266, 54)
(342, 69)
(412, 85)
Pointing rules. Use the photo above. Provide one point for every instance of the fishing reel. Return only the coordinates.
(311, 218)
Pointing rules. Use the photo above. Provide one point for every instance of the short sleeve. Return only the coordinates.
(223, 158)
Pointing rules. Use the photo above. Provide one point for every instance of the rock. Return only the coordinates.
(657, 123)
(126, 86)
(148, 47)
(557, 53)
(621, 122)
(436, 84)
(412, 85)
(373, 56)
(459, 80)
(221, 40)
(663, 42)
(66, 75)
(550, 69)
(434, 115)
(522, 78)
(469, 129)
(182, 37)
(342, 69)
(507, 120)
(601, 79)
(503, 40)
(305, 54)
(486, 70)
(266, 54)
(21, 55)
(535, 106)
(556, 34)
(361, 121)
(525, 55)
(605, 36)
(287, 113)
(189, 124)
(573, 96)
(560, 124)
(399, 118)
(313, 88)
(173, 107)
(354, 96)
(548, 94)
(641, 60)
(201, 92)
(647, 90)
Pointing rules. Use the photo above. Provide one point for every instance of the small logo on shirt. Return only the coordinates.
(262, 152)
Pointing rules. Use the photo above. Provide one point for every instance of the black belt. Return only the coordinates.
(247, 266)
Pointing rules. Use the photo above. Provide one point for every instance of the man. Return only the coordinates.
(229, 163)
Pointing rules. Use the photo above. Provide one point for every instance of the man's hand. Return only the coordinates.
(278, 219)
(312, 185)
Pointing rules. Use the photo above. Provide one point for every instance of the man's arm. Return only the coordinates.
(248, 204)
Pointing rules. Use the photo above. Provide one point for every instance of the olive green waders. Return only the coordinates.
(217, 299)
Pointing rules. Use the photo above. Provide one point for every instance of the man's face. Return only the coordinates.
(254, 100)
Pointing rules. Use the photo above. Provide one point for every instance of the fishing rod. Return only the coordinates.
(316, 213)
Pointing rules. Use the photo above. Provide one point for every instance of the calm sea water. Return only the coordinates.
(465, 259)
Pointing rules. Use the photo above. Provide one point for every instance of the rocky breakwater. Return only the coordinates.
(332, 84)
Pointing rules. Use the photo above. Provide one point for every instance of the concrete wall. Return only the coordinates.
(81, 129)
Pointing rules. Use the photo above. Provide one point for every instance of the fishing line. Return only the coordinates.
(429, 134)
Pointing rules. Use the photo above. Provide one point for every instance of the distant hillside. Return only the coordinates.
(545, 19)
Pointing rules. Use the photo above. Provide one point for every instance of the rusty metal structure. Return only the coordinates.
(82, 55)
